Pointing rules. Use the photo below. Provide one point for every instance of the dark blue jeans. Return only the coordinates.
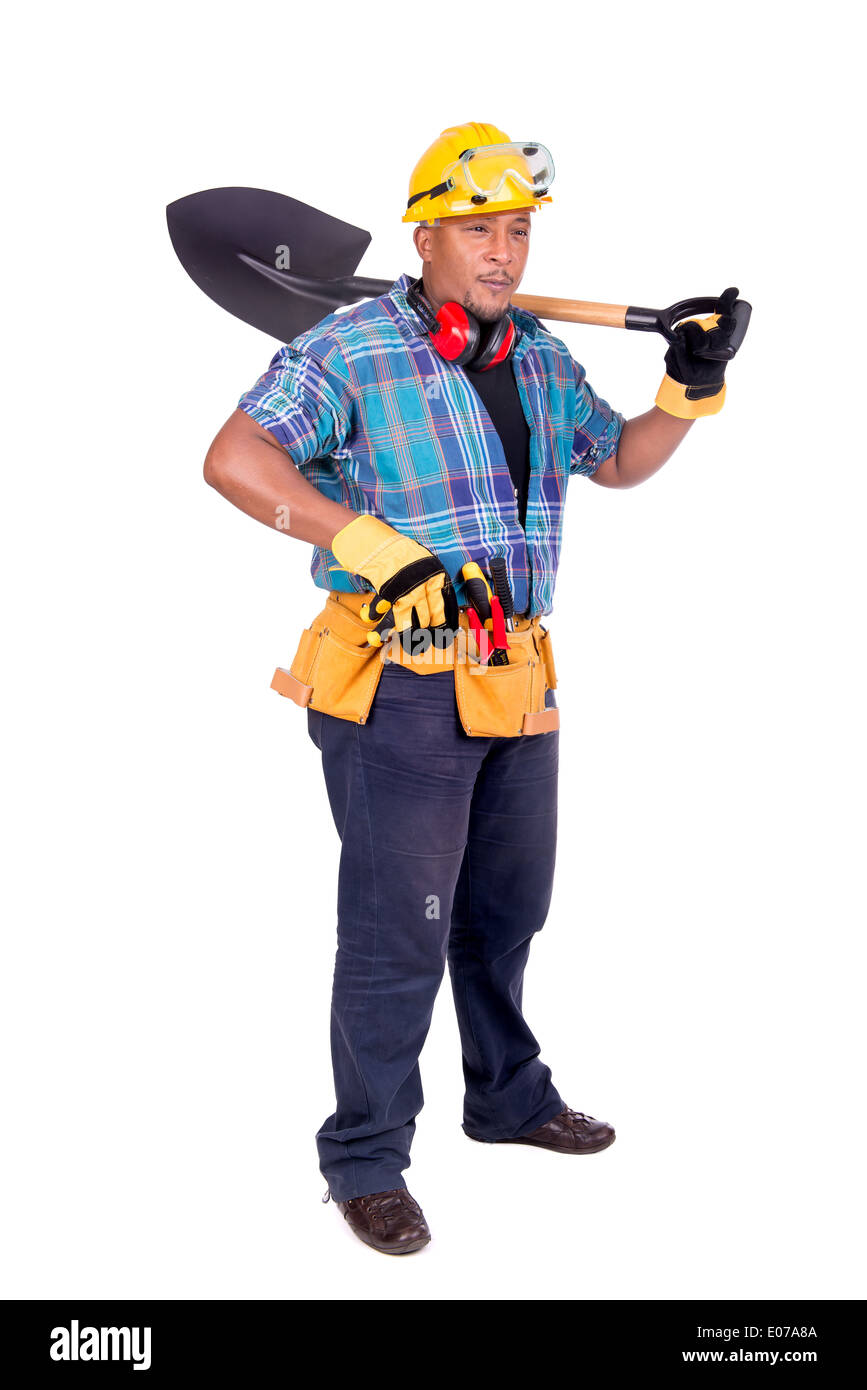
(447, 854)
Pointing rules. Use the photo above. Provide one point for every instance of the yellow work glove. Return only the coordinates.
(413, 589)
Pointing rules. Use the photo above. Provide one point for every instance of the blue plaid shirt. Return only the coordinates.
(376, 420)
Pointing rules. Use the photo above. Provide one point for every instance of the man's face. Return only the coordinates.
(477, 261)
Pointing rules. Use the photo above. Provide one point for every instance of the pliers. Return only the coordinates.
(485, 608)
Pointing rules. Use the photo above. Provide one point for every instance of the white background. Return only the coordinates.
(171, 882)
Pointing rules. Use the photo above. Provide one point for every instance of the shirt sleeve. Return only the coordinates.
(597, 427)
(303, 401)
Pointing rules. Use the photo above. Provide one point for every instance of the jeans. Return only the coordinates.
(447, 855)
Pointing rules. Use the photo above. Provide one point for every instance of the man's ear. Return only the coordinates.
(423, 236)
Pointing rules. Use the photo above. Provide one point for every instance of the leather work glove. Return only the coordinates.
(413, 589)
(695, 386)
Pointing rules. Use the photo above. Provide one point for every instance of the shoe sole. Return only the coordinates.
(552, 1148)
(408, 1249)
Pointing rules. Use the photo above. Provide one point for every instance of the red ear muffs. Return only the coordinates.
(458, 337)
(499, 344)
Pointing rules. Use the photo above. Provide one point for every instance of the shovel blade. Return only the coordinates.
(233, 241)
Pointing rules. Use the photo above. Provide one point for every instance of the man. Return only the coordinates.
(402, 438)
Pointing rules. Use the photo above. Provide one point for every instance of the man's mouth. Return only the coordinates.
(497, 284)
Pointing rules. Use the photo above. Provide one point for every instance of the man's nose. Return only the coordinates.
(501, 248)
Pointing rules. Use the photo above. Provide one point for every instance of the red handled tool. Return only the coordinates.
(483, 641)
(485, 607)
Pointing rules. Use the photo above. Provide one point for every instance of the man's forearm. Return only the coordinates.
(645, 443)
(253, 472)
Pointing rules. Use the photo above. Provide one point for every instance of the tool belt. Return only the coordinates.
(335, 670)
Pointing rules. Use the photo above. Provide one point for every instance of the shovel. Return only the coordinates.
(282, 265)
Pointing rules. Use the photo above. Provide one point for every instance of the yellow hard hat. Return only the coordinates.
(472, 167)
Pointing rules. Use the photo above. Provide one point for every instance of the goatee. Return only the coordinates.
(483, 312)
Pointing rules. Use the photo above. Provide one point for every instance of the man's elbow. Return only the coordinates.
(236, 451)
(214, 467)
(221, 460)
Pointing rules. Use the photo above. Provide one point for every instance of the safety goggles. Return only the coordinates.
(483, 171)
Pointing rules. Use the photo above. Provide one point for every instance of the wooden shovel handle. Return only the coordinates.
(573, 310)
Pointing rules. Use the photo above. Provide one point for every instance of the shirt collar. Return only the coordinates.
(527, 323)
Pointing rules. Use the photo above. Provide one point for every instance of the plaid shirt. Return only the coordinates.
(375, 419)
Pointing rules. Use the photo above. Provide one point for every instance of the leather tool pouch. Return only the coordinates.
(334, 670)
(504, 701)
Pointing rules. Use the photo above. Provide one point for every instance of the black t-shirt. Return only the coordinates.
(499, 392)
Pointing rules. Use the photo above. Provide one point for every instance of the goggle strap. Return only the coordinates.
(431, 192)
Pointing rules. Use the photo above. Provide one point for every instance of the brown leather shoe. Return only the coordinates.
(570, 1132)
(391, 1221)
